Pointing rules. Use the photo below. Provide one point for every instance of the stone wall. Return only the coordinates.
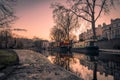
(109, 44)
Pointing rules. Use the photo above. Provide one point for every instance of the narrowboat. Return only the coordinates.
(88, 46)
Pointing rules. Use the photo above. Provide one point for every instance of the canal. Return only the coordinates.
(94, 66)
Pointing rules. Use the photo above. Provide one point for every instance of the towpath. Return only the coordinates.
(34, 66)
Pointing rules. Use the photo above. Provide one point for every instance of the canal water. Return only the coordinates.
(93, 66)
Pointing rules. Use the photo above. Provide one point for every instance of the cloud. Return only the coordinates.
(25, 4)
(18, 29)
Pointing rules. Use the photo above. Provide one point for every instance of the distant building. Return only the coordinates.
(112, 30)
(45, 44)
(23, 43)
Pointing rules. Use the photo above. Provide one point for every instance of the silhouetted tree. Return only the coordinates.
(6, 12)
(5, 36)
(57, 34)
(66, 21)
(89, 10)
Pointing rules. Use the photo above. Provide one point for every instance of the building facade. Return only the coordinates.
(110, 31)
(89, 34)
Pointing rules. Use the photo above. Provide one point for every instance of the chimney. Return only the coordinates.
(104, 24)
(112, 20)
(99, 25)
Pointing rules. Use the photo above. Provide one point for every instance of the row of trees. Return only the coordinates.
(6, 18)
(67, 16)
(8, 41)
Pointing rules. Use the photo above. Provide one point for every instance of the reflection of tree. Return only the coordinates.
(91, 61)
(63, 59)
(107, 64)
(95, 70)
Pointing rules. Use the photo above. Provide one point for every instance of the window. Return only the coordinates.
(119, 24)
(114, 25)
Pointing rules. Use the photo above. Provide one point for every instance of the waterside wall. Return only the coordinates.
(109, 44)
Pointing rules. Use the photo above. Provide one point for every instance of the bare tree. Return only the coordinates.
(5, 36)
(6, 12)
(89, 10)
(65, 20)
(57, 34)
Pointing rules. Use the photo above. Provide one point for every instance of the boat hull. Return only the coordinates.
(89, 49)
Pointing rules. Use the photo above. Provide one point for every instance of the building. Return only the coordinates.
(106, 31)
(112, 31)
(89, 34)
(82, 36)
(45, 44)
(99, 32)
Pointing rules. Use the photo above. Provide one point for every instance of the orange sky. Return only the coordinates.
(37, 19)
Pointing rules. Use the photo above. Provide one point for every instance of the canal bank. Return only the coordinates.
(110, 51)
(34, 66)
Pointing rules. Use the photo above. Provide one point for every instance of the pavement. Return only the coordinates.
(111, 51)
(34, 66)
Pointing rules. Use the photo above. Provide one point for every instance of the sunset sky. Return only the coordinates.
(36, 17)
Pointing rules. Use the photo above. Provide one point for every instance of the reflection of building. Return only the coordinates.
(106, 65)
(112, 30)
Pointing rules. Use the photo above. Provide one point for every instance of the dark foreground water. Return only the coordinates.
(93, 66)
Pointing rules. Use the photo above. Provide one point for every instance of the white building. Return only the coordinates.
(112, 30)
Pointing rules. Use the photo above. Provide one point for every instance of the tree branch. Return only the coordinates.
(100, 10)
(80, 16)
(86, 12)
(88, 3)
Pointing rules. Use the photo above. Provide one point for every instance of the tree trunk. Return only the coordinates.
(68, 36)
(93, 30)
(93, 26)
(6, 40)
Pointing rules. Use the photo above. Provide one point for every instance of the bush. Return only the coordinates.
(8, 57)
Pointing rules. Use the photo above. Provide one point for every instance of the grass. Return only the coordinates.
(8, 57)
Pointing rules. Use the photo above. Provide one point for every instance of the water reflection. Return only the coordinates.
(97, 66)
(63, 59)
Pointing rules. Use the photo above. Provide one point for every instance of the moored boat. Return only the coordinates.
(86, 47)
